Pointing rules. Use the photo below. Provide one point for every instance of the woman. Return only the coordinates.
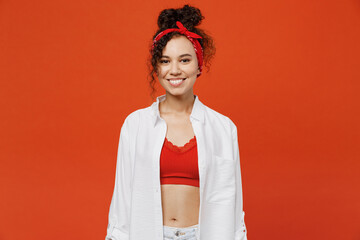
(178, 167)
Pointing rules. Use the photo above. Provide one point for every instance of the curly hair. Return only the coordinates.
(190, 17)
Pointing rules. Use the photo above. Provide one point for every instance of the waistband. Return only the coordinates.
(179, 233)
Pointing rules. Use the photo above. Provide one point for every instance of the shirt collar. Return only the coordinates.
(197, 111)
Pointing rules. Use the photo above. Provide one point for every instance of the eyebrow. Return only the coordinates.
(182, 55)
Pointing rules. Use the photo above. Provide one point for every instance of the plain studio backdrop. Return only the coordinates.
(286, 72)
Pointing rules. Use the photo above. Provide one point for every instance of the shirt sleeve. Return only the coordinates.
(240, 228)
(119, 213)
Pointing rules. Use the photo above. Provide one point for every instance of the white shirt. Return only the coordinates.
(136, 209)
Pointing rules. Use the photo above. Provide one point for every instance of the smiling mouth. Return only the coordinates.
(176, 82)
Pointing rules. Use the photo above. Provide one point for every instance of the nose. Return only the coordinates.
(174, 69)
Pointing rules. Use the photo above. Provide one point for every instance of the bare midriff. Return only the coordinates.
(180, 204)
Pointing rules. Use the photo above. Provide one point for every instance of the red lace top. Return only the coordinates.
(179, 165)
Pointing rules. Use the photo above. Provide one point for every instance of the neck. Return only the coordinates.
(178, 104)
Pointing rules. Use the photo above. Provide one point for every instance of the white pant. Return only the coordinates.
(174, 233)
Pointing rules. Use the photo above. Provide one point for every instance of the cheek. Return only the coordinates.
(161, 71)
(192, 69)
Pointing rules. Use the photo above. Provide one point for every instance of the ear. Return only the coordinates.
(198, 71)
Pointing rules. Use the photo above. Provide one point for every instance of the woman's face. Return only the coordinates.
(178, 66)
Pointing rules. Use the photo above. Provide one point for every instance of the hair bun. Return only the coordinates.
(189, 16)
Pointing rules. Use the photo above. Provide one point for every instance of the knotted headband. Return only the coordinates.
(190, 35)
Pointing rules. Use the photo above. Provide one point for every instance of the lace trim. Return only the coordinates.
(190, 144)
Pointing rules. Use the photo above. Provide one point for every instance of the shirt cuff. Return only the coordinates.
(241, 234)
(114, 233)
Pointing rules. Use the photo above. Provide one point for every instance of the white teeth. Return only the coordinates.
(176, 81)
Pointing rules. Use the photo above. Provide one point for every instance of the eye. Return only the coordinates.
(185, 60)
(164, 61)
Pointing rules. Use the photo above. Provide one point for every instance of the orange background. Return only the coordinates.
(286, 72)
